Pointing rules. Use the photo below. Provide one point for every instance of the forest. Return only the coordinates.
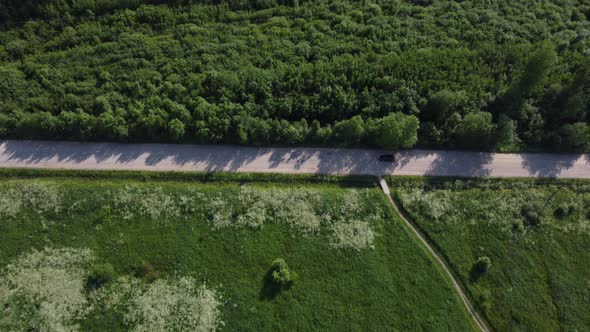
(487, 75)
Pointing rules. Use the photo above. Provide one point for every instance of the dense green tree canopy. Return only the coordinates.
(298, 72)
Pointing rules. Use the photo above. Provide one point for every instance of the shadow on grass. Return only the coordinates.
(475, 274)
(270, 289)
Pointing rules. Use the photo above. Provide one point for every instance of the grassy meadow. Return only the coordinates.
(122, 254)
(536, 235)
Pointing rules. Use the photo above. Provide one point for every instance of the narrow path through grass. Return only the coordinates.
(479, 322)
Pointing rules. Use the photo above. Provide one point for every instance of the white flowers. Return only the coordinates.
(45, 291)
(303, 210)
(433, 204)
(175, 305)
(355, 234)
(253, 207)
(152, 203)
(36, 197)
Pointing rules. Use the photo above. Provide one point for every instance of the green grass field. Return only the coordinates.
(182, 255)
(537, 236)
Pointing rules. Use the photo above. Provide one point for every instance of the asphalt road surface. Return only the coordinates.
(179, 157)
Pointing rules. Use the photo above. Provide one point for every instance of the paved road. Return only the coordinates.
(172, 157)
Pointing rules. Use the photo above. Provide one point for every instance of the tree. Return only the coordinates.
(176, 129)
(506, 136)
(537, 67)
(439, 105)
(349, 132)
(102, 105)
(111, 126)
(574, 137)
(396, 131)
(475, 130)
(430, 135)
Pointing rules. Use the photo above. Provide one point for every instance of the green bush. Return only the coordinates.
(480, 267)
(146, 271)
(100, 275)
(483, 264)
(281, 274)
(532, 213)
(565, 210)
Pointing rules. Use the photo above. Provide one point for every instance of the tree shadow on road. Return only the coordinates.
(461, 163)
(549, 165)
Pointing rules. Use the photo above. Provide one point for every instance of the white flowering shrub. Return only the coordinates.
(174, 305)
(253, 207)
(352, 202)
(433, 204)
(44, 291)
(155, 204)
(304, 210)
(354, 234)
(36, 197)
(10, 203)
(151, 203)
(40, 197)
(500, 208)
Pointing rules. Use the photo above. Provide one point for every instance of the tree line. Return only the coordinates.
(504, 76)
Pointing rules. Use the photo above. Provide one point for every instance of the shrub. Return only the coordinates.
(281, 274)
(564, 210)
(147, 271)
(532, 213)
(517, 226)
(483, 264)
(100, 275)
(353, 234)
(174, 305)
(480, 267)
(43, 291)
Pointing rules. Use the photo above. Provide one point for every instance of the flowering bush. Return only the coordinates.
(353, 234)
(302, 210)
(10, 203)
(47, 291)
(174, 305)
(151, 203)
(37, 197)
(44, 291)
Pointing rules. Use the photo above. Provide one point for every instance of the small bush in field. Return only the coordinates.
(480, 267)
(281, 275)
(10, 203)
(483, 264)
(146, 271)
(565, 210)
(100, 275)
(532, 213)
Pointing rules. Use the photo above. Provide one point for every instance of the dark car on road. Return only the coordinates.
(387, 158)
